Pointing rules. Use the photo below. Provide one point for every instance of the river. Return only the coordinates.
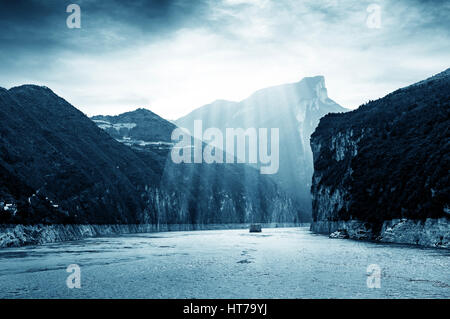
(277, 263)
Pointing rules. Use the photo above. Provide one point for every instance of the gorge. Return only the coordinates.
(382, 171)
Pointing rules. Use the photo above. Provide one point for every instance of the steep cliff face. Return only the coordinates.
(295, 109)
(330, 192)
(58, 167)
(387, 160)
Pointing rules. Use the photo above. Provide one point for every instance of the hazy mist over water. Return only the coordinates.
(277, 263)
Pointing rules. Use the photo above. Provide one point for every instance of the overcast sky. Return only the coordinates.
(174, 56)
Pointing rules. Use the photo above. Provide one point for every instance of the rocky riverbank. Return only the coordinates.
(21, 235)
(380, 172)
(428, 233)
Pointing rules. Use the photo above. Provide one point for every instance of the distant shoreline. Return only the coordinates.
(39, 234)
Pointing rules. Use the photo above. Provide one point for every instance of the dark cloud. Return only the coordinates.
(40, 26)
(34, 33)
(151, 49)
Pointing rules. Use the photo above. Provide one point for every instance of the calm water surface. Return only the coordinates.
(277, 263)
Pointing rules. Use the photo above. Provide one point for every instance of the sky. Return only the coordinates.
(174, 56)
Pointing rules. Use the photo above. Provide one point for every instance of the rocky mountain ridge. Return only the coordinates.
(295, 109)
(387, 160)
(59, 167)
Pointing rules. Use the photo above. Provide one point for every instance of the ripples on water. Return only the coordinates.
(278, 263)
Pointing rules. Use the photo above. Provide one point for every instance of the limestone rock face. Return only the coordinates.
(295, 109)
(429, 233)
(382, 170)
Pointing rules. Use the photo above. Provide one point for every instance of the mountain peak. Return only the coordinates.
(142, 110)
(140, 125)
(33, 92)
(314, 79)
(30, 87)
(317, 85)
(136, 114)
